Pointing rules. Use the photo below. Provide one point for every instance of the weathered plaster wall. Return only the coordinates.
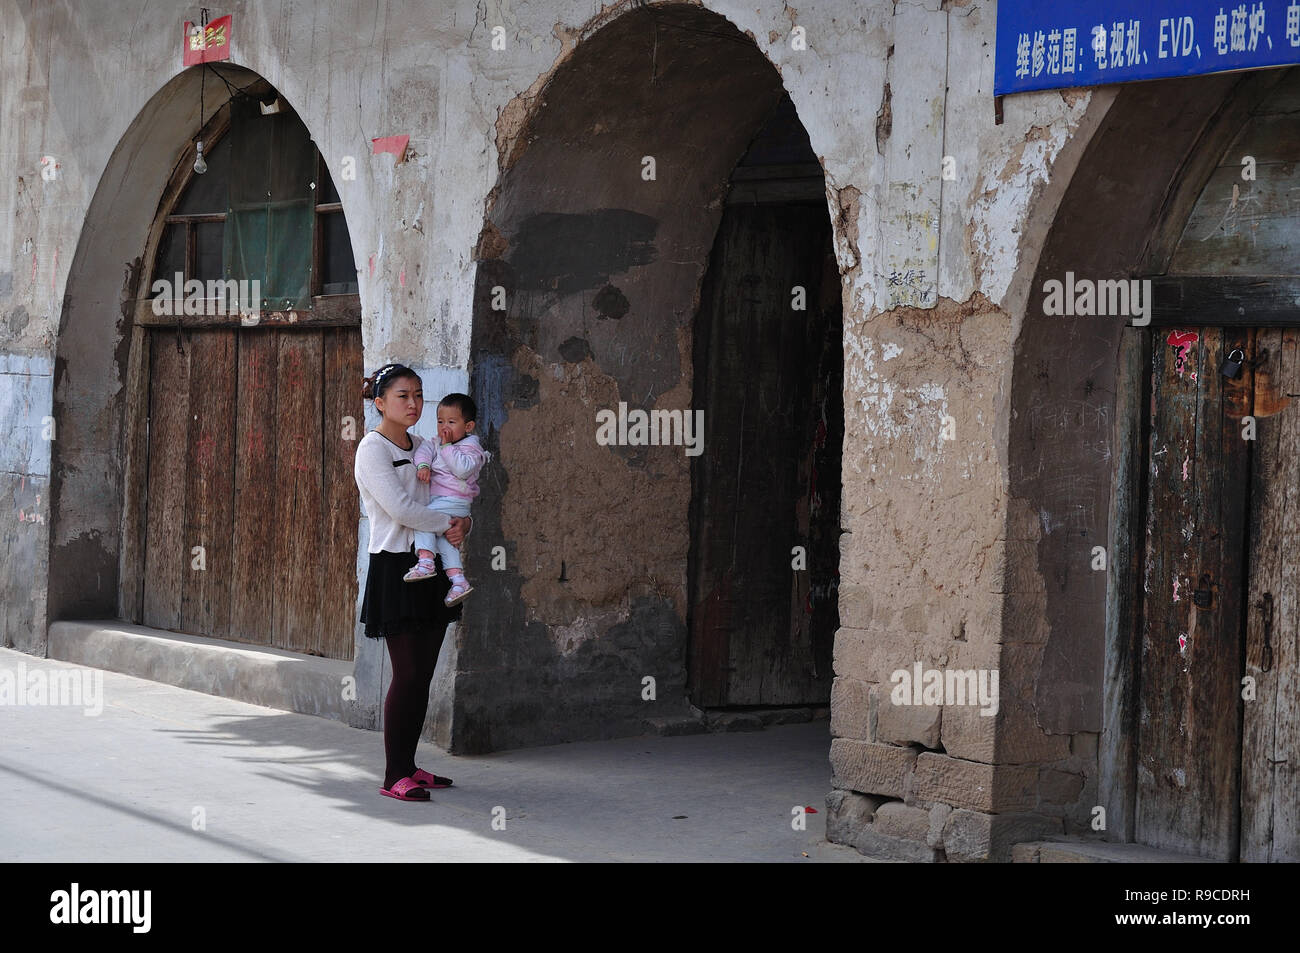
(29, 295)
(937, 279)
(936, 275)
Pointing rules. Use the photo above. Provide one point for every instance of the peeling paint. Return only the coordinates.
(1181, 342)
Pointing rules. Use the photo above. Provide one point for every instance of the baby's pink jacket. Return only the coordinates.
(455, 466)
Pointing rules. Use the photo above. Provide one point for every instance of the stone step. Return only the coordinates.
(260, 675)
(1097, 852)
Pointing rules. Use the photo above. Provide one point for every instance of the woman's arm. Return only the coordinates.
(375, 469)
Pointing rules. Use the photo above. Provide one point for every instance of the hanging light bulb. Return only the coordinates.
(199, 165)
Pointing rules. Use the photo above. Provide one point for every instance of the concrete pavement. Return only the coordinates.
(165, 774)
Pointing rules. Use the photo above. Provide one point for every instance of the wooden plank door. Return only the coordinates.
(189, 504)
(209, 483)
(252, 437)
(755, 364)
(295, 550)
(1270, 751)
(169, 401)
(1191, 660)
(253, 584)
(343, 424)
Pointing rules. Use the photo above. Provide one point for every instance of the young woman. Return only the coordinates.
(411, 619)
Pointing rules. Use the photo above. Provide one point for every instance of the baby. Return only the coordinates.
(451, 470)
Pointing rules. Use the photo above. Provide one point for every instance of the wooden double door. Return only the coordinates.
(1218, 739)
(252, 508)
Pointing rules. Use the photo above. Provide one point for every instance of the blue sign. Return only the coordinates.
(1091, 42)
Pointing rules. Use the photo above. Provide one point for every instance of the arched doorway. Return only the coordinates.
(236, 483)
(608, 247)
(1218, 740)
(1149, 520)
(766, 490)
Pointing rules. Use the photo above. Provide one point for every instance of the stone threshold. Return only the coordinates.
(702, 721)
(259, 675)
(1098, 852)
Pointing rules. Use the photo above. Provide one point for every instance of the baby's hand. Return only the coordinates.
(422, 474)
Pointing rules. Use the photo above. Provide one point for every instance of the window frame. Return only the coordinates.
(333, 310)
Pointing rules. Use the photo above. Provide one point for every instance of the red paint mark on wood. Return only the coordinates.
(257, 376)
(1181, 341)
(295, 372)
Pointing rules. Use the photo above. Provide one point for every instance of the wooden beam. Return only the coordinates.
(764, 191)
(204, 217)
(327, 311)
(1252, 302)
(796, 170)
(338, 309)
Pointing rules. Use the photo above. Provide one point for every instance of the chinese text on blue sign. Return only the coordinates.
(1090, 42)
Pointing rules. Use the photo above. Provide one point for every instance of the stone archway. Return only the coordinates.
(596, 241)
(102, 383)
(1072, 636)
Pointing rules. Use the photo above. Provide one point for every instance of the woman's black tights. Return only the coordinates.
(414, 654)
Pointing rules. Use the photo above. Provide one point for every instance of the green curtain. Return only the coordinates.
(268, 234)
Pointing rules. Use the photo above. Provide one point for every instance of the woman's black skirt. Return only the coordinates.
(391, 605)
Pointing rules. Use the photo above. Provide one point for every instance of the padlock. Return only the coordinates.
(1231, 367)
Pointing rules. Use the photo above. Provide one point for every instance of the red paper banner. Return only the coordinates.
(207, 45)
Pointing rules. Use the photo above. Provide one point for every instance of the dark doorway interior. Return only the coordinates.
(763, 575)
